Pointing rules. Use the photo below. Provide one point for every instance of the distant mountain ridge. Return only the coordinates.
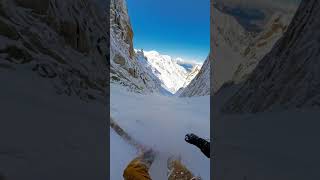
(170, 73)
(142, 71)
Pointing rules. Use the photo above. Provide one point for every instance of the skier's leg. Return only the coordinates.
(176, 170)
(138, 168)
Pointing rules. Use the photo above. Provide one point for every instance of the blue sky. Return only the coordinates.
(179, 28)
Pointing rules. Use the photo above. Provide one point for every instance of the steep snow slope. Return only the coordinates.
(67, 46)
(125, 68)
(192, 74)
(171, 74)
(289, 75)
(161, 122)
(200, 85)
(121, 153)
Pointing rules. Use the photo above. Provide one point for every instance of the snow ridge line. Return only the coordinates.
(124, 135)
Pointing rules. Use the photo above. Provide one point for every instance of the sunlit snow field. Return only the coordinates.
(160, 122)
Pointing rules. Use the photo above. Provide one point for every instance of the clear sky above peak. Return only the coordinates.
(179, 28)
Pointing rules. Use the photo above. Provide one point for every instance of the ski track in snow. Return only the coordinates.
(161, 122)
(119, 147)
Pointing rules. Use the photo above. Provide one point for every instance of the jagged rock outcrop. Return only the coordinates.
(191, 75)
(237, 54)
(200, 85)
(229, 39)
(62, 41)
(124, 65)
(288, 76)
(236, 51)
(260, 45)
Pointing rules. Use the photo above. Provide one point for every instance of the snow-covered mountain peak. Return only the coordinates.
(157, 57)
(170, 73)
(152, 53)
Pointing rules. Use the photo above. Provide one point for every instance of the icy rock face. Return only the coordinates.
(120, 24)
(125, 67)
(62, 41)
(200, 85)
(235, 51)
(235, 64)
(288, 76)
(228, 40)
(262, 44)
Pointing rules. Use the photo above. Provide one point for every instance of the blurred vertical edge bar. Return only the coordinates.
(265, 103)
(108, 94)
(212, 131)
(54, 95)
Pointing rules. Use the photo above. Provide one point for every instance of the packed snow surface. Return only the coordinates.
(161, 122)
(121, 154)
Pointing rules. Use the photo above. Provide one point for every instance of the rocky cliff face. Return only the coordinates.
(125, 67)
(192, 74)
(62, 41)
(237, 54)
(120, 24)
(260, 45)
(236, 51)
(288, 76)
(229, 39)
(200, 85)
